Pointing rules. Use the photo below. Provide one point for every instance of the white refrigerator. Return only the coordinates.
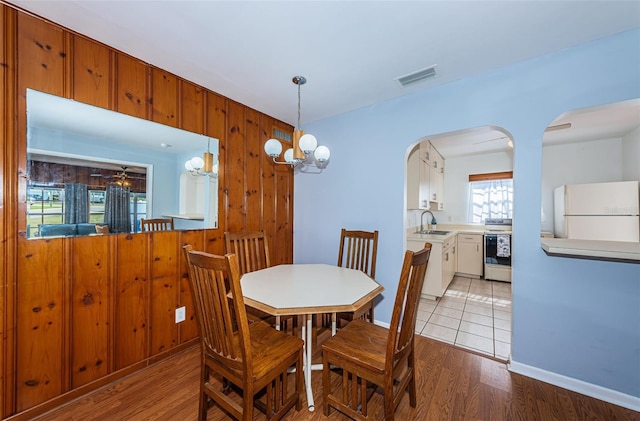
(598, 211)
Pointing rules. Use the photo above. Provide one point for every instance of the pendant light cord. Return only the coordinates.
(298, 106)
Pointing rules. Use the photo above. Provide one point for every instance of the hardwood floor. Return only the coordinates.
(453, 384)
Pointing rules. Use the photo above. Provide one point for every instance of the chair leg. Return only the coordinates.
(299, 380)
(326, 384)
(412, 379)
(247, 404)
(203, 405)
(389, 408)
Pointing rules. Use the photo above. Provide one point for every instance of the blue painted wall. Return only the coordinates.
(577, 318)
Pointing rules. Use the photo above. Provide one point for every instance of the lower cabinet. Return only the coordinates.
(470, 255)
(442, 265)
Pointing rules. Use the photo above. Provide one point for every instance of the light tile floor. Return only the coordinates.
(473, 314)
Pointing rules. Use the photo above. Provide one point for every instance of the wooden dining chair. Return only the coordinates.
(252, 251)
(235, 354)
(156, 224)
(358, 250)
(387, 360)
(251, 247)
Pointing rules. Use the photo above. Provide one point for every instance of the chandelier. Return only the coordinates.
(305, 149)
(204, 165)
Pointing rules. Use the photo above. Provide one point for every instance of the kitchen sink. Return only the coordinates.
(433, 232)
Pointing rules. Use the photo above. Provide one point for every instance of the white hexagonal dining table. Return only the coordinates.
(308, 289)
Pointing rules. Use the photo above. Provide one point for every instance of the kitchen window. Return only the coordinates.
(490, 196)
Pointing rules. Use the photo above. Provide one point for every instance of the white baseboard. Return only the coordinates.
(588, 389)
(379, 323)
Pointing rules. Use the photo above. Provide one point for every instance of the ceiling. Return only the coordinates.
(351, 52)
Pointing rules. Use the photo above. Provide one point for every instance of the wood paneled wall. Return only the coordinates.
(76, 313)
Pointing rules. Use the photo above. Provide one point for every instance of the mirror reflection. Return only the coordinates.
(93, 171)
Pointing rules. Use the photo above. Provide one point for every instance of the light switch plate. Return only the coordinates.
(181, 314)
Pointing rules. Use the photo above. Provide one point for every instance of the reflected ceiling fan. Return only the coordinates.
(122, 178)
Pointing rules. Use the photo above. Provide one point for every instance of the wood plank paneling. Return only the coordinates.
(91, 72)
(164, 97)
(40, 327)
(268, 174)
(216, 126)
(41, 62)
(108, 305)
(165, 290)
(131, 300)
(284, 216)
(254, 151)
(131, 82)
(189, 328)
(91, 295)
(192, 105)
(41, 56)
(235, 171)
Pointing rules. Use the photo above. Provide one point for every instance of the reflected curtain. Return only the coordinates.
(116, 209)
(76, 203)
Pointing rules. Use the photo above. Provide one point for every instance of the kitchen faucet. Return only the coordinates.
(433, 219)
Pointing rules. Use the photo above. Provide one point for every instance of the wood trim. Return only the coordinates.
(8, 208)
(505, 175)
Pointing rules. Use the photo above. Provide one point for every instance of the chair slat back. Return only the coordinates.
(223, 327)
(251, 248)
(358, 250)
(405, 309)
(156, 224)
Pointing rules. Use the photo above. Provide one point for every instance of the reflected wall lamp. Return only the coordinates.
(305, 149)
(202, 166)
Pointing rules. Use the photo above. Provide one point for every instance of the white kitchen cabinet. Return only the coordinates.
(436, 159)
(436, 178)
(436, 188)
(418, 185)
(441, 267)
(425, 152)
(470, 255)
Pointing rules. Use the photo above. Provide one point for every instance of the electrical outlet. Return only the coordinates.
(181, 314)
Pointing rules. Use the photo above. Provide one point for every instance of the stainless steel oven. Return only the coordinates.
(497, 249)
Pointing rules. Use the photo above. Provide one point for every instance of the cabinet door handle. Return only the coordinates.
(446, 257)
(477, 248)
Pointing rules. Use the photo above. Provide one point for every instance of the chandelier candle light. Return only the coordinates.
(303, 143)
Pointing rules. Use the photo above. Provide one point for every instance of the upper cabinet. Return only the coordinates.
(425, 178)
(418, 186)
(436, 179)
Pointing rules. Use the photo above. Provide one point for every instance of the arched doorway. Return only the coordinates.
(459, 306)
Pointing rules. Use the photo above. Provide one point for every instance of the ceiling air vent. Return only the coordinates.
(417, 76)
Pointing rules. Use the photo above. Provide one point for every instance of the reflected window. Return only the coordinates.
(96, 206)
(138, 210)
(490, 196)
(45, 206)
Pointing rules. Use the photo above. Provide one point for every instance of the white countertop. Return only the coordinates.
(412, 235)
(597, 250)
(191, 216)
(590, 249)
